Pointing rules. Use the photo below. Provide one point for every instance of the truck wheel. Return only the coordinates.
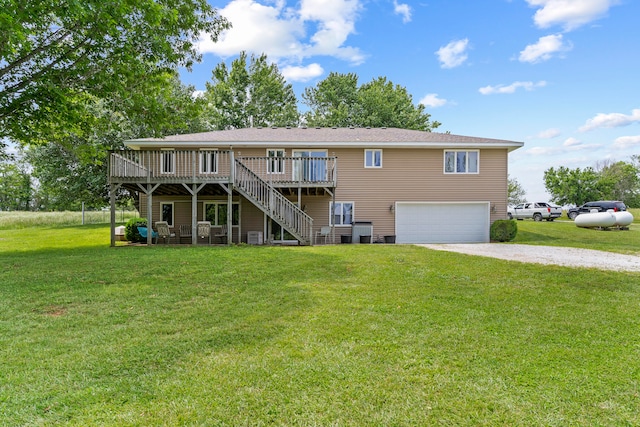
(537, 217)
(573, 215)
(509, 215)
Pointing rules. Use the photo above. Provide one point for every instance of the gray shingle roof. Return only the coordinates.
(348, 136)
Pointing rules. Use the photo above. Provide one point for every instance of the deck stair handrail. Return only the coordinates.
(273, 203)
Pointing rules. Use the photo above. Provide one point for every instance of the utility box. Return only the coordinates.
(254, 237)
(359, 229)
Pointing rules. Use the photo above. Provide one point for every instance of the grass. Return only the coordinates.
(21, 219)
(333, 335)
(565, 233)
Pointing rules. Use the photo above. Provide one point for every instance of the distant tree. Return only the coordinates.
(572, 186)
(250, 95)
(337, 101)
(53, 54)
(516, 193)
(15, 186)
(621, 181)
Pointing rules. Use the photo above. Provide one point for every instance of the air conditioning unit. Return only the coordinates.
(254, 237)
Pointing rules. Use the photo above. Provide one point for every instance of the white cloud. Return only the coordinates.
(280, 31)
(432, 100)
(454, 54)
(572, 142)
(549, 133)
(302, 74)
(624, 142)
(570, 14)
(611, 120)
(528, 86)
(543, 151)
(402, 9)
(544, 49)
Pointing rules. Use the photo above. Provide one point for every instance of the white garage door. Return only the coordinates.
(421, 222)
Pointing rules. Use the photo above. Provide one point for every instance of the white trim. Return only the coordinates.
(455, 172)
(281, 168)
(219, 203)
(173, 213)
(172, 153)
(210, 154)
(373, 158)
(353, 213)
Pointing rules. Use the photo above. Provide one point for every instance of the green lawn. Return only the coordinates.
(344, 335)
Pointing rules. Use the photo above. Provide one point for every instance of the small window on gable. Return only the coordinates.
(209, 162)
(275, 161)
(166, 212)
(462, 162)
(372, 158)
(168, 162)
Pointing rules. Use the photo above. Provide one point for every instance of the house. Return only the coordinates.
(284, 185)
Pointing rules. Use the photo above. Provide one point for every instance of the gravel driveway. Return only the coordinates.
(570, 257)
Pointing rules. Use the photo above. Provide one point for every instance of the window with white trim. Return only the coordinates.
(208, 162)
(372, 158)
(341, 213)
(216, 213)
(467, 161)
(166, 212)
(276, 160)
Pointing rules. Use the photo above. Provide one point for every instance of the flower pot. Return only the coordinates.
(365, 239)
(345, 239)
(390, 239)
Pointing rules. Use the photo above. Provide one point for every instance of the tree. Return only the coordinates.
(572, 186)
(516, 193)
(250, 95)
(333, 102)
(621, 181)
(72, 168)
(15, 186)
(54, 53)
(337, 101)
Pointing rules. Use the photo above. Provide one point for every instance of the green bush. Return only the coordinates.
(131, 229)
(503, 230)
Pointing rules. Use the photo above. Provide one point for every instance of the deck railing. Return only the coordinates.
(215, 165)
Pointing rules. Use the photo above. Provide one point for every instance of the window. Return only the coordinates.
(216, 213)
(461, 161)
(276, 161)
(341, 213)
(166, 212)
(168, 160)
(209, 162)
(372, 158)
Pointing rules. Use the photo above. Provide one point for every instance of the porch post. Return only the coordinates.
(112, 200)
(194, 214)
(149, 215)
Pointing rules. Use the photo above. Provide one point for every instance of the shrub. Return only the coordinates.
(131, 229)
(503, 230)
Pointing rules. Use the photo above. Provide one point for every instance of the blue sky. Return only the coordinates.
(559, 75)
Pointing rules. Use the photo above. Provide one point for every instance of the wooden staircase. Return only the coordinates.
(273, 203)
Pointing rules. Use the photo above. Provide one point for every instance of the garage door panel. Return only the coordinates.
(442, 222)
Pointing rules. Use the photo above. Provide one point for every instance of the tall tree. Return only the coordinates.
(572, 186)
(250, 95)
(52, 53)
(333, 101)
(621, 181)
(15, 186)
(337, 101)
(72, 167)
(516, 193)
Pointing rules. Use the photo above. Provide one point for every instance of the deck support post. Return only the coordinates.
(112, 202)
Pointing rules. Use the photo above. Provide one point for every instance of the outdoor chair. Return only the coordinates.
(143, 233)
(185, 231)
(323, 232)
(221, 233)
(204, 230)
(164, 232)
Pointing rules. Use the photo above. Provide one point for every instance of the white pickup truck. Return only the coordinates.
(535, 210)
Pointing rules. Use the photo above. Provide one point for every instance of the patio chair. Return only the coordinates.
(204, 230)
(185, 231)
(164, 232)
(323, 232)
(221, 233)
(143, 233)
